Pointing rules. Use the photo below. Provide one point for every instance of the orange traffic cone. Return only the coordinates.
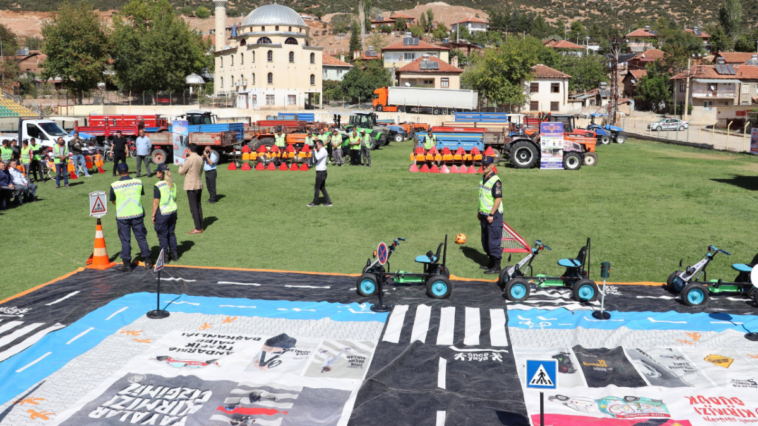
(304, 167)
(293, 167)
(463, 169)
(260, 166)
(434, 169)
(271, 166)
(472, 170)
(424, 168)
(283, 167)
(232, 166)
(414, 168)
(245, 166)
(444, 169)
(454, 169)
(99, 257)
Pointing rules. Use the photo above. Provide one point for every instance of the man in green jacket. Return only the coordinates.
(355, 148)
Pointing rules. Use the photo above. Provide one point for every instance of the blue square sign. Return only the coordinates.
(542, 374)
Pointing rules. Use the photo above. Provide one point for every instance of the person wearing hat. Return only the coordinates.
(490, 215)
(355, 148)
(336, 142)
(126, 195)
(164, 212)
(365, 148)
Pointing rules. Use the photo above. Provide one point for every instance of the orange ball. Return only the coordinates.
(460, 239)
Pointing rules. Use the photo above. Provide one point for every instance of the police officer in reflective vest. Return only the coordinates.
(355, 148)
(6, 152)
(280, 140)
(491, 215)
(366, 148)
(126, 195)
(164, 212)
(430, 141)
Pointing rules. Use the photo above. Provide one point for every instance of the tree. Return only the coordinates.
(576, 31)
(10, 42)
(77, 46)
(154, 50)
(540, 28)
(587, 72)
(355, 41)
(422, 23)
(655, 87)
(440, 32)
(318, 14)
(401, 25)
(730, 17)
(429, 18)
(33, 43)
(499, 20)
(680, 46)
(747, 42)
(720, 42)
(500, 73)
(341, 23)
(417, 31)
(377, 41)
(331, 89)
(202, 12)
(360, 82)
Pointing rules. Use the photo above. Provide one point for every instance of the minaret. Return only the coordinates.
(220, 23)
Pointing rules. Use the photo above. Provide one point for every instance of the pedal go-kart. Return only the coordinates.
(517, 280)
(435, 274)
(696, 292)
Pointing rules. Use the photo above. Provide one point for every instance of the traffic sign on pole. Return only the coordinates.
(98, 204)
(382, 253)
(161, 262)
(542, 374)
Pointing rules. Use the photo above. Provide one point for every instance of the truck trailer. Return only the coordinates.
(422, 100)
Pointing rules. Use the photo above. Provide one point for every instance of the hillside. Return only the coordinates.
(689, 12)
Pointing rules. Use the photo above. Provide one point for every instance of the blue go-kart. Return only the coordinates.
(695, 288)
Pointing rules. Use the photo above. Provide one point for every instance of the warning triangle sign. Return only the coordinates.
(98, 207)
(541, 378)
(160, 263)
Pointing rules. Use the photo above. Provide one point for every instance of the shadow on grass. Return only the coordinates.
(745, 182)
(182, 248)
(208, 221)
(475, 255)
(220, 197)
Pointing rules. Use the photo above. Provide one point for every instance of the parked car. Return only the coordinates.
(669, 124)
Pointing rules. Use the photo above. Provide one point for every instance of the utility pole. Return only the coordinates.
(362, 18)
(687, 92)
(615, 43)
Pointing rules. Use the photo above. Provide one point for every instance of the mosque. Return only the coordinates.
(268, 61)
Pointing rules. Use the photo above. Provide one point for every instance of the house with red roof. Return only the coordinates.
(631, 80)
(429, 71)
(735, 58)
(565, 47)
(641, 60)
(472, 24)
(547, 90)
(713, 86)
(409, 49)
(333, 68)
(381, 21)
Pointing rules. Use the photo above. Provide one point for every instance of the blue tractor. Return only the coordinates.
(607, 133)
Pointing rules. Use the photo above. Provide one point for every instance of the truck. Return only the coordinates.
(422, 100)
(46, 132)
(104, 127)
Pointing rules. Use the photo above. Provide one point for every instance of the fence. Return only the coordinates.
(97, 97)
(735, 138)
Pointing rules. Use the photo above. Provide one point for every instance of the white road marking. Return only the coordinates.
(497, 328)
(20, 332)
(596, 320)
(670, 322)
(28, 342)
(473, 327)
(726, 322)
(440, 418)
(232, 306)
(421, 323)
(441, 375)
(33, 362)
(395, 324)
(64, 298)
(307, 286)
(447, 326)
(234, 283)
(183, 303)
(9, 325)
(177, 279)
(80, 335)
(656, 297)
(477, 350)
(117, 312)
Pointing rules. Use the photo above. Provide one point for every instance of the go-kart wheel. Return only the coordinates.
(674, 283)
(694, 295)
(755, 296)
(367, 285)
(445, 271)
(604, 140)
(438, 287)
(517, 290)
(585, 291)
(503, 278)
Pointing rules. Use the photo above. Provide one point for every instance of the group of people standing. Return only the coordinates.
(357, 145)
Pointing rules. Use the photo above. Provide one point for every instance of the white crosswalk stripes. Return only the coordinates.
(440, 418)
(18, 333)
(442, 374)
(7, 326)
(473, 327)
(395, 324)
(421, 323)
(497, 328)
(402, 328)
(447, 326)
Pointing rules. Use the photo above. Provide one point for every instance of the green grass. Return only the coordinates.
(645, 205)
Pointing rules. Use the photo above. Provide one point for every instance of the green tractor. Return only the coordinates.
(366, 120)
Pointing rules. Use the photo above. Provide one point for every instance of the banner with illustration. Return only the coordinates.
(551, 146)
(180, 138)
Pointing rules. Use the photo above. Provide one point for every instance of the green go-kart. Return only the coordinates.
(435, 274)
(516, 281)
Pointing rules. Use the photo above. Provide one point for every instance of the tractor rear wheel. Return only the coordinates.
(590, 159)
(524, 155)
(267, 142)
(572, 161)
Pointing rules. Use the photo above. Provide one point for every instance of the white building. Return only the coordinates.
(268, 62)
(335, 69)
(471, 24)
(547, 90)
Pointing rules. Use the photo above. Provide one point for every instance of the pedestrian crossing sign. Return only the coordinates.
(542, 374)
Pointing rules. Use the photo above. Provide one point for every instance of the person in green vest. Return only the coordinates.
(309, 138)
(6, 152)
(430, 141)
(365, 148)
(355, 148)
(26, 157)
(280, 139)
(336, 142)
(323, 136)
(37, 161)
(126, 195)
(164, 212)
(490, 215)
(60, 158)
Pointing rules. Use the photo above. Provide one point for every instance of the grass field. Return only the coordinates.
(645, 205)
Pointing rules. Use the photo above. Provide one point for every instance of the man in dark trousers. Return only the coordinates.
(320, 155)
(118, 150)
(126, 195)
(490, 215)
(210, 161)
(36, 165)
(193, 184)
